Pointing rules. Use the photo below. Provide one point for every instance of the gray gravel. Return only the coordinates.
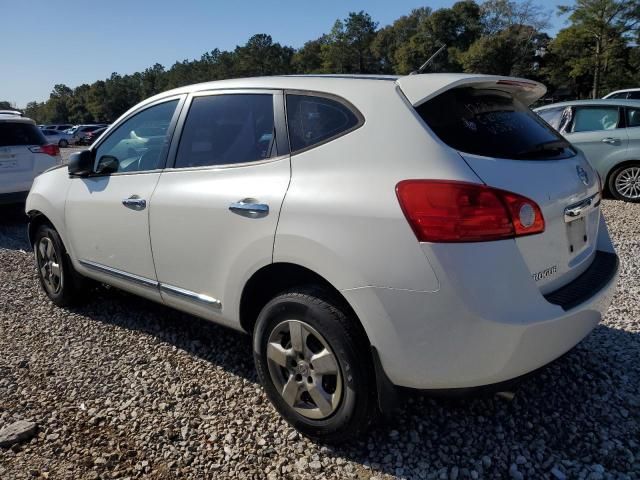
(122, 387)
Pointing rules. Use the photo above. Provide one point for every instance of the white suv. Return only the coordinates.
(24, 153)
(426, 231)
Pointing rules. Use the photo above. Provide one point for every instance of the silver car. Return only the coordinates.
(58, 137)
(608, 132)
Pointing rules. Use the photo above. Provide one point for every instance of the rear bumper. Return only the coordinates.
(13, 198)
(477, 330)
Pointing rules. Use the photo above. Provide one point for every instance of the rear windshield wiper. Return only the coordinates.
(552, 147)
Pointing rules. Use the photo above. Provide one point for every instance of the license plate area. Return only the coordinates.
(577, 236)
(8, 164)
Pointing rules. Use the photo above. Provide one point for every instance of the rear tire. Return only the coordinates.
(59, 280)
(333, 399)
(624, 182)
(63, 143)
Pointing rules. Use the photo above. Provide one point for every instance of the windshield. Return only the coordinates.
(492, 123)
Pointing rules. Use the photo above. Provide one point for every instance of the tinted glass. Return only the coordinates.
(634, 96)
(312, 120)
(552, 116)
(226, 129)
(618, 95)
(140, 143)
(633, 117)
(14, 134)
(493, 124)
(589, 119)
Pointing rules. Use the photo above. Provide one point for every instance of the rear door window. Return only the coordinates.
(633, 117)
(227, 129)
(313, 120)
(634, 96)
(492, 123)
(590, 119)
(15, 134)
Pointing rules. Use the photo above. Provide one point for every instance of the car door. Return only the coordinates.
(107, 213)
(598, 131)
(633, 132)
(214, 212)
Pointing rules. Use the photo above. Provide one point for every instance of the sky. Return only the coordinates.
(43, 43)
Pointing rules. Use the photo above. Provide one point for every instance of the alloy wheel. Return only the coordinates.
(304, 369)
(49, 265)
(628, 183)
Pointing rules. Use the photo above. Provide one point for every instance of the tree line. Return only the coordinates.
(595, 53)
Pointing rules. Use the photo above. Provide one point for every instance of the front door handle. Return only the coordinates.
(250, 208)
(134, 202)
(610, 140)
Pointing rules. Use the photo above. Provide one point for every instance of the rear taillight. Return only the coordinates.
(450, 211)
(49, 149)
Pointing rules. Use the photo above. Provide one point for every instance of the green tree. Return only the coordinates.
(608, 23)
(349, 45)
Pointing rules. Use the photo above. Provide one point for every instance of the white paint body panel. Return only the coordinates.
(200, 245)
(440, 315)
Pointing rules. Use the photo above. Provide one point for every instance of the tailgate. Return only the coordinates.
(486, 119)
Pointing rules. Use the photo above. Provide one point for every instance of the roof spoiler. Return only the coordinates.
(421, 88)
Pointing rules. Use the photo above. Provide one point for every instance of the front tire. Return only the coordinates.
(59, 280)
(315, 365)
(63, 143)
(624, 182)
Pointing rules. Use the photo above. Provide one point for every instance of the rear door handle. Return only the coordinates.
(610, 140)
(250, 208)
(134, 202)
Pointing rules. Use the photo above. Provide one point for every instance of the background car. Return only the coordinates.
(79, 131)
(628, 94)
(90, 137)
(61, 127)
(24, 154)
(608, 132)
(60, 138)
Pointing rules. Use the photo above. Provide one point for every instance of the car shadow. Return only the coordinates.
(475, 433)
(13, 228)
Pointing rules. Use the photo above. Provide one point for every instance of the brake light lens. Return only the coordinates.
(49, 149)
(452, 211)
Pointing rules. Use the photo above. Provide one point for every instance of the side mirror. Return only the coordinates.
(107, 164)
(81, 163)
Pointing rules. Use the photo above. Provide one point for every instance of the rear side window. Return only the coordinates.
(491, 123)
(227, 129)
(14, 134)
(634, 96)
(590, 119)
(313, 120)
(552, 116)
(633, 117)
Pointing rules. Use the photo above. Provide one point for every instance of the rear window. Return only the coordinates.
(14, 134)
(492, 123)
(314, 120)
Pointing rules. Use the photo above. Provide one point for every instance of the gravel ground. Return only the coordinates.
(122, 387)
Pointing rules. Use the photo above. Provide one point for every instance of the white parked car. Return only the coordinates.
(426, 231)
(24, 153)
(629, 94)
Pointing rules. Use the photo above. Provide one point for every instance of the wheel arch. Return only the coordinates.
(271, 279)
(36, 219)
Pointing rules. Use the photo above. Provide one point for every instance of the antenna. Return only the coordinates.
(426, 64)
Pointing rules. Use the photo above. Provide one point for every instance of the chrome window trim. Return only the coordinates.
(227, 165)
(330, 96)
(122, 275)
(193, 296)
